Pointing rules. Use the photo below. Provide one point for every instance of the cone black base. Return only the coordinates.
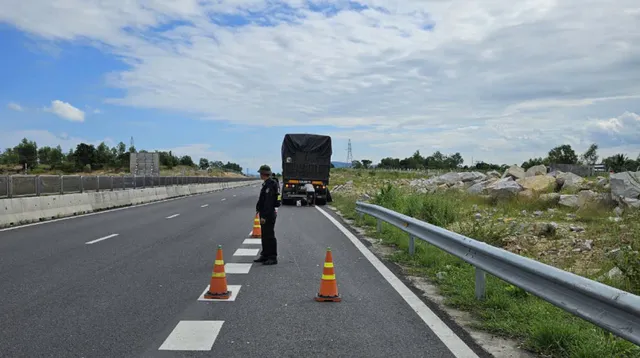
(219, 296)
(328, 298)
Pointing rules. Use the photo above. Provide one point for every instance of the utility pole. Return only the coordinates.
(349, 155)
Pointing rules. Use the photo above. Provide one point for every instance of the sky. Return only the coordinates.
(496, 80)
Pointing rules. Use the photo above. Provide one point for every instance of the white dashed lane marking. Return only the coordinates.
(246, 252)
(192, 336)
(237, 268)
(252, 242)
(235, 289)
(204, 206)
(100, 239)
(223, 199)
(173, 216)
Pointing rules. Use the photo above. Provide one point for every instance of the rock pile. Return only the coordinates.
(623, 189)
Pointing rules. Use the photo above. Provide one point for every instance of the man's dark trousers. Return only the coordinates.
(269, 242)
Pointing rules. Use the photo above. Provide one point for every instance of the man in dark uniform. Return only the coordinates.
(266, 208)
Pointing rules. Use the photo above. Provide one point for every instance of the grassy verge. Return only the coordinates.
(509, 311)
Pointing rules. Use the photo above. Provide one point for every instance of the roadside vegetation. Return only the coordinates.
(27, 157)
(592, 242)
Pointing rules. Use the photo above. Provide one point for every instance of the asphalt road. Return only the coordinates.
(126, 283)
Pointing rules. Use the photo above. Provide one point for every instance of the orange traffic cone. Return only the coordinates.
(218, 286)
(328, 285)
(257, 229)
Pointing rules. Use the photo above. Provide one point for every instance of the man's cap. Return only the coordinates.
(264, 169)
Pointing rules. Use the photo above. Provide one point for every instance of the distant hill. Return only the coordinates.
(340, 164)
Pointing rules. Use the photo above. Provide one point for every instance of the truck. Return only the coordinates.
(306, 159)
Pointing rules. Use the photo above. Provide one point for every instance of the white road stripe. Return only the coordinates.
(192, 336)
(237, 268)
(235, 289)
(252, 242)
(446, 335)
(246, 252)
(223, 199)
(204, 206)
(173, 216)
(100, 239)
(234, 195)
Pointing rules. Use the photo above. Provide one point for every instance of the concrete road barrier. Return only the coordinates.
(19, 211)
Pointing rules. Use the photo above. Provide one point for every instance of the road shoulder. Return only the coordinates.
(482, 343)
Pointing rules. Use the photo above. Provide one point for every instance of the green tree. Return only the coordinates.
(563, 154)
(590, 157)
(204, 163)
(56, 157)
(187, 161)
(44, 154)
(10, 157)
(366, 163)
(356, 164)
(103, 157)
(532, 162)
(27, 153)
(85, 155)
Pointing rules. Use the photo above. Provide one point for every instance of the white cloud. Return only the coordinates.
(14, 106)
(66, 111)
(97, 111)
(520, 77)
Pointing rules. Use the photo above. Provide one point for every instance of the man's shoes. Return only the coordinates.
(260, 259)
(270, 262)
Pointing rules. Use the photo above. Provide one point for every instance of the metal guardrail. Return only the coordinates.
(36, 185)
(612, 309)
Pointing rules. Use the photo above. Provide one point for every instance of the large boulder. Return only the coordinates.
(515, 172)
(553, 198)
(590, 198)
(538, 183)
(570, 201)
(494, 174)
(504, 188)
(450, 179)
(536, 170)
(625, 185)
(471, 176)
(480, 187)
(570, 180)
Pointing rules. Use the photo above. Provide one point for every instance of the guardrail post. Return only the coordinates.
(61, 184)
(481, 284)
(81, 184)
(97, 183)
(37, 184)
(379, 226)
(412, 245)
(111, 182)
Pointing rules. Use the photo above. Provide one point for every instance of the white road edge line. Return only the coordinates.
(106, 211)
(204, 206)
(100, 239)
(192, 336)
(172, 216)
(446, 335)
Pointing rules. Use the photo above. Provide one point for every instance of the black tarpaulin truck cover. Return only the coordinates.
(306, 156)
